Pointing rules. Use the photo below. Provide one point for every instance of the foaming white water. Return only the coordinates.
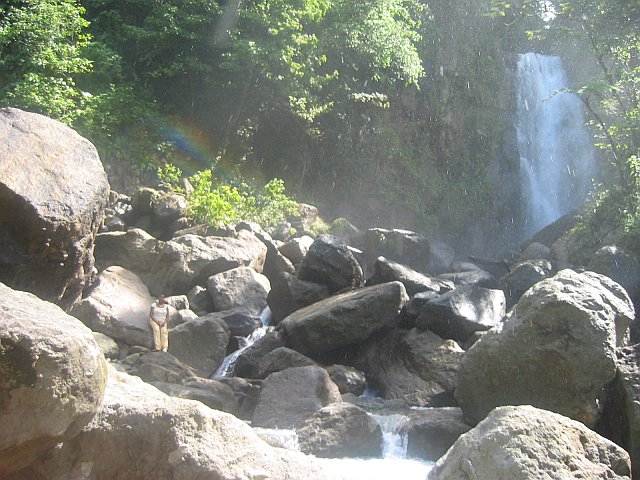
(394, 443)
(377, 469)
(229, 363)
(557, 157)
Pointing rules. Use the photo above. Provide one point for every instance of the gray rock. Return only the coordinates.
(118, 306)
(441, 257)
(200, 343)
(402, 246)
(348, 379)
(418, 367)
(340, 430)
(199, 300)
(107, 345)
(280, 359)
(185, 315)
(288, 397)
(345, 320)
(460, 313)
(52, 378)
(621, 416)
(431, 432)
(522, 277)
(389, 271)
(296, 248)
(535, 251)
(212, 393)
(332, 263)
(157, 367)
(555, 351)
(169, 438)
(248, 362)
(288, 293)
(239, 287)
(521, 443)
(241, 322)
(480, 278)
(53, 192)
(134, 250)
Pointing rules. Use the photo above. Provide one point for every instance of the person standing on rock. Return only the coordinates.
(159, 319)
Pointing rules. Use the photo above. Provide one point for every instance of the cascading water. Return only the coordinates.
(557, 157)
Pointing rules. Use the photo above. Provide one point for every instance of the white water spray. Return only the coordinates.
(557, 158)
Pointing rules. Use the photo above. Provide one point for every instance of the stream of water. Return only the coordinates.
(557, 157)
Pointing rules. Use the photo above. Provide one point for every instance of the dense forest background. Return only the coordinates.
(395, 113)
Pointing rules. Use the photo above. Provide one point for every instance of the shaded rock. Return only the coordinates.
(296, 248)
(280, 359)
(288, 293)
(535, 251)
(157, 367)
(347, 319)
(176, 266)
(275, 262)
(118, 306)
(340, 430)
(212, 393)
(413, 309)
(521, 443)
(388, 271)
(190, 260)
(555, 351)
(107, 345)
(621, 416)
(441, 257)
(402, 246)
(348, 379)
(52, 378)
(47, 234)
(239, 287)
(248, 362)
(479, 278)
(418, 367)
(431, 432)
(200, 343)
(305, 217)
(460, 313)
(199, 300)
(167, 438)
(332, 263)
(241, 321)
(288, 397)
(522, 277)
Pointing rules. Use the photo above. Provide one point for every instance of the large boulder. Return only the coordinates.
(118, 306)
(416, 366)
(522, 277)
(332, 263)
(52, 377)
(289, 397)
(157, 367)
(280, 359)
(348, 379)
(555, 351)
(345, 320)
(176, 266)
(402, 246)
(621, 416)
(167, 438)
(200, 343)
(248, 361)
(340, 430)
(385, 270)
(460, 313)
(521, 443)
(53, 192)
(288, 293)
(239, 287)
(296, 248)
(212, 393)
(431, 432)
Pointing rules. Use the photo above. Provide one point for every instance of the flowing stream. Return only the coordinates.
(557, 157)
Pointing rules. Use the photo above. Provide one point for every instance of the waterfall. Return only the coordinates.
(229, 363)
(394, 443)
(557, 158)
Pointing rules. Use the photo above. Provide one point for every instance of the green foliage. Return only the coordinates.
(41, 44)
(214, 202)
